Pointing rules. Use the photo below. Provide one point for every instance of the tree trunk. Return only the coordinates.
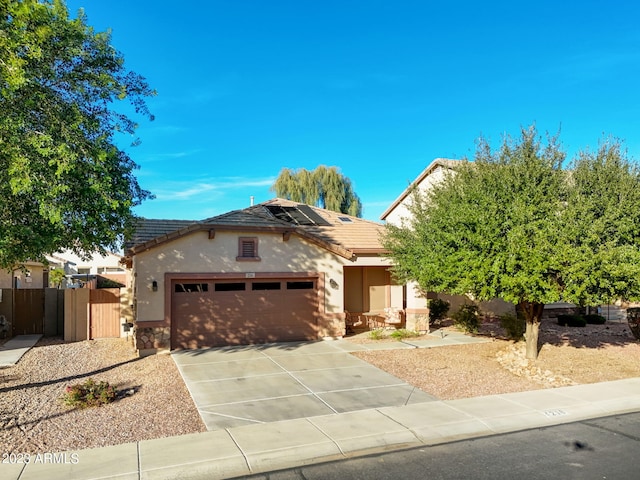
(531, 337)
(532, 314)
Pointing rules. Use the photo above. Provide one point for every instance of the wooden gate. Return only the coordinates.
(104, 317)
(29, 311)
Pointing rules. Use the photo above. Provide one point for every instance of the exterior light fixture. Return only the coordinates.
(154, 286)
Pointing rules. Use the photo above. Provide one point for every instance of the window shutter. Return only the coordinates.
(248, 249)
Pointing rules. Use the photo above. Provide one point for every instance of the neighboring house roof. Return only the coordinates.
(438, 162)
(148, 229)
(56, 259)
(340, 233)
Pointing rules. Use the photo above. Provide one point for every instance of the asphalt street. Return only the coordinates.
(596, 449)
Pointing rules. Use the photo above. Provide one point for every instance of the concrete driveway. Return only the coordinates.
(234, 386)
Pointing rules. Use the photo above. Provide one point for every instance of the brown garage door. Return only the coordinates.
(217, 313)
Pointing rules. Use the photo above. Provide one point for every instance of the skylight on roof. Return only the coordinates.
(345, 219)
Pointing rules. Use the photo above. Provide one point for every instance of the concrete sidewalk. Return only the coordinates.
(12, 351)
(252, 449)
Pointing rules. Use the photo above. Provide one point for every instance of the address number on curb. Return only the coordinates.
(555, 413)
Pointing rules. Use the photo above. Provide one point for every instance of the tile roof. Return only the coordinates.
(338, 232)
(148, 229)
(352, 233)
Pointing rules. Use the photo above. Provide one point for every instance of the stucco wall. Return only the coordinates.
(74, 263)
(5, 279)
(401, 212)
(416, 304)
(31, 277)
(490, 308)
(196, 253)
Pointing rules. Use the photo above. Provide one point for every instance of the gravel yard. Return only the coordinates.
(155, 403)
(568, 356)
(34, 420)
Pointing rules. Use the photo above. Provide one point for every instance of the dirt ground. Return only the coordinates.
(567, 356)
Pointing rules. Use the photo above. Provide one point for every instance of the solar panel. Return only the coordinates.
(278, 212)
(300, 215)
(313, 216)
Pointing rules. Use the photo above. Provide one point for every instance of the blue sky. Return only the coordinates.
(376, 88)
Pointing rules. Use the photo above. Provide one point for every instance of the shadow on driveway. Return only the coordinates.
(233, 386)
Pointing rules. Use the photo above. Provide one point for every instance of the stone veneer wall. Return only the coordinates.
(417, 320)
(331, 326)
(151, 339)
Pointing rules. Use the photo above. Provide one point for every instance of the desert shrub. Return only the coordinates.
(633, 319)
(377, 334)
(633, 314)
(513, 325)
(467, 318)
(89, 394)
(594, 319)
(571, 320)
(404, 333)
(438, 309)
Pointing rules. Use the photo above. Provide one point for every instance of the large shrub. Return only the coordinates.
(438, 309)
(467, 318)
(513, 325)
(594, 319)
(571, 320)
(633, 319)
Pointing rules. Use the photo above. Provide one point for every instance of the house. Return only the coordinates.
(416, 309)
(432, 175)
(35, 275)
(32, 275)
(28, 306)
(80, 270)
(272, 272)
(95, 264)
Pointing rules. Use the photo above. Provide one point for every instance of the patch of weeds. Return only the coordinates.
(89, 394)
(377, 334)
(403, 333)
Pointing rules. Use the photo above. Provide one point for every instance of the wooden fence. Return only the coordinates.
(31, 311)
(91, 314)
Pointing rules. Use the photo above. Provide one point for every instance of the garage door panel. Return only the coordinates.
(235, 312)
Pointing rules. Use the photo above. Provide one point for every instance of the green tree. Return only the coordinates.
(601, 227)
(324, 187)
(63, 181)
(514, 225)
(56, 276)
